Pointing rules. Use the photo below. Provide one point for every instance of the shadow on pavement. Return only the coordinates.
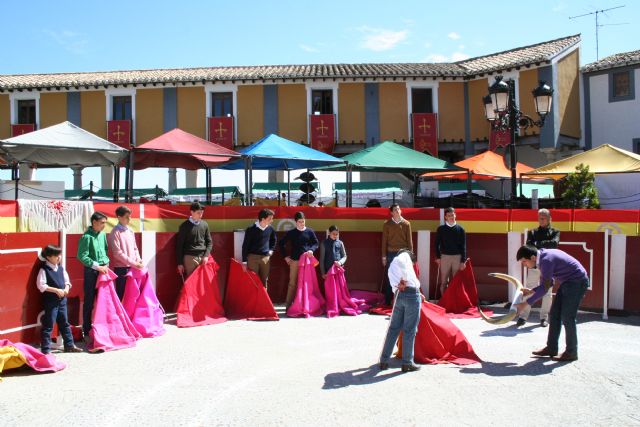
(362, 376)
(509, 331)
(533, 368)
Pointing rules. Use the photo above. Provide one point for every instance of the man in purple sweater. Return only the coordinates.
(557, 265)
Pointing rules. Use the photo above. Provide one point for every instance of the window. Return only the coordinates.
(221, 104)
(421, 101)
(322, 101)
(27, 111)
(621, 86)
(122, 108)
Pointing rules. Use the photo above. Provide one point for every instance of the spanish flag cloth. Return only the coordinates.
(15, 355)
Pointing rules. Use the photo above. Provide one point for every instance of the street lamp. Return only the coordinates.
(502, 112)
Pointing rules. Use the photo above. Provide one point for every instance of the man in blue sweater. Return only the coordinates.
(258, 245)
(557, 265)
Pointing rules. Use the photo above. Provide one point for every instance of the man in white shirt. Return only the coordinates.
(406, 310)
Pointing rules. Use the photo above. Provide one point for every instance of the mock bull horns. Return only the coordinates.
(501, 320)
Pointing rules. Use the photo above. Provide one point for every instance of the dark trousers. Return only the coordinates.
(90, 280)
(564, 311)
(388, 293)
(121, 281)
(55, 310)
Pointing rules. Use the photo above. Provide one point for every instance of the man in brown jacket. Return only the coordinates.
(396, 236)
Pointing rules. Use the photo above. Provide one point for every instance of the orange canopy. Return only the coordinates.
(487, 165)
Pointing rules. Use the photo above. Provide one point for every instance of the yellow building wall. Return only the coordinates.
(5, 117)
(569, 94)
(93, 112)
(192, 114)
(292, 112)
(53, 109)
(478, 125)
(351, 117)
(393, 112)
(451, 111)
(149, 114)
(250, 120)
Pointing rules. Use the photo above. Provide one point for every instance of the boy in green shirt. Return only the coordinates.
(92, 253)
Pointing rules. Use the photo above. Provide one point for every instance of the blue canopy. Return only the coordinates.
(276, 153)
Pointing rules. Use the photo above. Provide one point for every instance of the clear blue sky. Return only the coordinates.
(66, 36)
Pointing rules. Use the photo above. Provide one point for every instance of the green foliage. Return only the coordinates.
(580, 190)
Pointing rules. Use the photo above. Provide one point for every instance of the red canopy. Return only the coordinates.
(180, 149)
(487, 165)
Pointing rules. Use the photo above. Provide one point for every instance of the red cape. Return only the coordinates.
(199, 302)
(34, 358)
(141, 304)
(245, 296)
(309, 301)
(460, 299)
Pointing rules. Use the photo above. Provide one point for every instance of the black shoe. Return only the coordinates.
(544, 323)
(566, 357)
(410, 368)
(521, 322)
(383, 366)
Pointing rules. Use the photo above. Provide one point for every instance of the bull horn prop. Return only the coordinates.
(501, 320)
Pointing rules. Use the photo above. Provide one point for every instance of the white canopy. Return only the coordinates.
(61, 145)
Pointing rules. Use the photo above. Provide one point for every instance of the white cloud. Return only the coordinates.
(69, 40)
(559, 7)
(453, 35)
(379, 39)
(307, 48)
(438, 57)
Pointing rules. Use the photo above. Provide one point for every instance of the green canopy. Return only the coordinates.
(393, 158)
(369, 187)
(231, 191)
(108, 193)
(273, 188)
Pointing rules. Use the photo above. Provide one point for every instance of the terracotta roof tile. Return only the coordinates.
(613, 61)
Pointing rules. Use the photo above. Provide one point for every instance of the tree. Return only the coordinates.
(580, 190)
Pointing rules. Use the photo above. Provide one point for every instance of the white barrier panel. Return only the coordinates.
(149, 254)
(514, 241)
(238, 238)
(617, 271)
(424, 257)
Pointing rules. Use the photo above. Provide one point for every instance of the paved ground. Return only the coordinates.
(322, 372)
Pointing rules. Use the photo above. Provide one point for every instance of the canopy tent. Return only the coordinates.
(191, 194)
(276, 153)
(61, 145)
(389, 157)
(487, 165)
(605, 159)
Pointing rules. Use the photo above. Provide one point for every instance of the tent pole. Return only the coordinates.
(250, 181)
(288, 187)
(246, 182)
(16, 175)
(208, 184)
(116, 183)
(469, 189)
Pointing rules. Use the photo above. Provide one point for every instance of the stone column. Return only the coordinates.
(191, 179)
(106, 178)
(173, 180)
(27, 173)
(77, 177)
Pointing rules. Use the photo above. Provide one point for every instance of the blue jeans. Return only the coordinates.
(388, 292)
(405, 318)
(55, 310)
(90, 280)
(121, 281)
(564, 311)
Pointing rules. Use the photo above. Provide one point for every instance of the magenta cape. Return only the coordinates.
(141, 304)
(460, 299)
(338, 297)
(199, 302)
(111, 328)
(35, 359)
(245, 296)
(309, 301)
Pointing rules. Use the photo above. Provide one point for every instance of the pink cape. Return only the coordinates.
(141, 304)
(338, 297)
(460, 299)
(111, 328)
(34, 358)
(199, 302)
(309, 301)
(245, 295)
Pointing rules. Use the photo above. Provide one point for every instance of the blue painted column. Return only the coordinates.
(371, 114)
(73, 107)
(549, 133)
(270, 109)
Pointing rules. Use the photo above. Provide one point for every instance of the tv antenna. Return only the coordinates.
(596, 12)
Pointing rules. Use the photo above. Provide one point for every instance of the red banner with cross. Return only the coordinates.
(499, 138)
(323, 134)
(119, 133)
(17, 130)
(221, 131)
(425, 133)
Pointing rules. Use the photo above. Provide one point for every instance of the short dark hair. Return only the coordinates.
(298, 215)
(393, 206)
(411, 254)
(450, 209)
(97, 216)
(196, 206)
(122, 211)
(50, 250)
(526, 251)
(333, 228)
(264, 213)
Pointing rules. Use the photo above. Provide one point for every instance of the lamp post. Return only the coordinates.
(502, 112)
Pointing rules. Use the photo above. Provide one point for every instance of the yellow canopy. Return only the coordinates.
(601, 160)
